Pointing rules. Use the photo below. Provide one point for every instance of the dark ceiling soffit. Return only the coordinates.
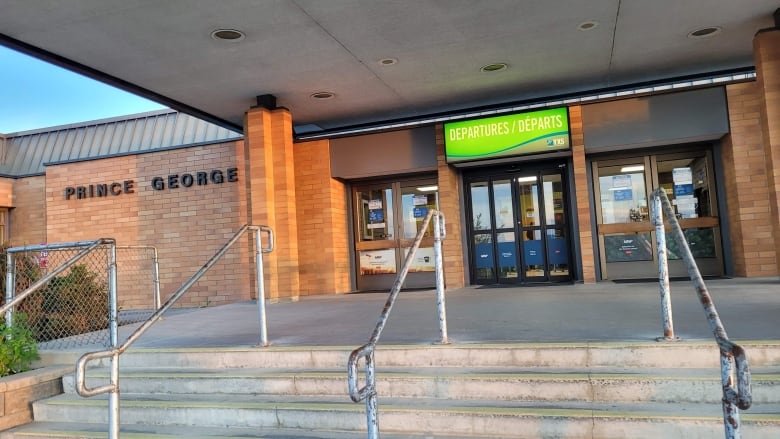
(97, 75)
(389, 125)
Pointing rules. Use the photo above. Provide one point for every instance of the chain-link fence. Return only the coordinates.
(138, 283)
(72, 308)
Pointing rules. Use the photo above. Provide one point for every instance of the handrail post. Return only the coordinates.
(372, 409)
(368, 392)
(663, 269)
(113, 311)
(260, 288)
(113, 325)
(730, 353)
(10, 286)
(438, 227)
(156, 277)
(113, 399)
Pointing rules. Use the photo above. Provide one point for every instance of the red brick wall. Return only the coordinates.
(6, 192)
(28, 217)
(187, 225)
(450, 205)
(747, 192)
(584, 205)
(272, 195)
(323, 244)
(766, 51)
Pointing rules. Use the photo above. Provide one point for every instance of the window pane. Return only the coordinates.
(533, 256)
(416, 202)
(622, 194)
(700, 241)
(553, 199)
(507, 256)
(628, 247)
(687, 185)
(483, 256)
(528, 193)
(480, 206)
(557, 252)
(502, 200)
(376, 214)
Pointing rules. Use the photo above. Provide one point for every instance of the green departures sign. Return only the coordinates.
(515, 134)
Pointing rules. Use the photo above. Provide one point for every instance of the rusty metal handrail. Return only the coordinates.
(731, 354)
(368, 392)
(113, 387)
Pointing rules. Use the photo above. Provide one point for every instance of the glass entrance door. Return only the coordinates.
(387, 217)
(518, 228)
(627, 236)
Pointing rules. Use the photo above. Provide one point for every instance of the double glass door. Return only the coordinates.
(387, 218)
(518, 229)
(626, 234)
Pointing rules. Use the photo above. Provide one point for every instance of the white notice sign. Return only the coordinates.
(682, 175)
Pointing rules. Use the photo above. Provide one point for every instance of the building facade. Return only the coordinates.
(567, 203)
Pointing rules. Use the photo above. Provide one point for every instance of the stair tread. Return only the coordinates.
(578, 391)
(137, 431)
(501, 372)
(542, 408)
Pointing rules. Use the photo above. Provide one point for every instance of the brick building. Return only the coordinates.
(345, 207)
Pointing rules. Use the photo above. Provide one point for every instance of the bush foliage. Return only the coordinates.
(18, 348)
(70, 304)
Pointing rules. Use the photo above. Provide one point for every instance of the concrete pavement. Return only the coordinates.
(606, 311)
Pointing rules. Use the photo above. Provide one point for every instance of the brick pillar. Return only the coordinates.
(587, 257)
(322, 220)
(268, 135)
(747, 191)
(449, 204)
(766, 52)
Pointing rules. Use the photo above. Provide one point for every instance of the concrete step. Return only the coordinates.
(682, 354)
(69, 430)
(560, 390)
(506, 419)
(503, 384)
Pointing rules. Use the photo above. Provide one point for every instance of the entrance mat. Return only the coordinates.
(524, 285)
(403, 290)
(671, 279)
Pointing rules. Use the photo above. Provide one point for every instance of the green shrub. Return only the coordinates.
(71, 304)
(17, 346)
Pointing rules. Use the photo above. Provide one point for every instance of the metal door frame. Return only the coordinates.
(490, 178)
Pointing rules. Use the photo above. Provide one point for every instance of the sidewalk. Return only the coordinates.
(748, 308)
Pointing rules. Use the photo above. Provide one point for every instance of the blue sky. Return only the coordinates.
(35, 94)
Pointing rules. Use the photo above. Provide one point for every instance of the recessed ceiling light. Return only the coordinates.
(497, 67)
(322, 95)
(388, 61)
(588, 25)
(228, 35)
(704, 32)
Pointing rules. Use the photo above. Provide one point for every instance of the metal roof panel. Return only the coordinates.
(26, 153)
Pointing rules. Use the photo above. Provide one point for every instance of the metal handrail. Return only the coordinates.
(12, 299)
(113, 387)
(731, 354)
(368, 392)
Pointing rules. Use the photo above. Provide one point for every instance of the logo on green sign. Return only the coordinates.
(515, 134)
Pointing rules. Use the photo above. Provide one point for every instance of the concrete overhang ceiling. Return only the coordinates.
(382, 60)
